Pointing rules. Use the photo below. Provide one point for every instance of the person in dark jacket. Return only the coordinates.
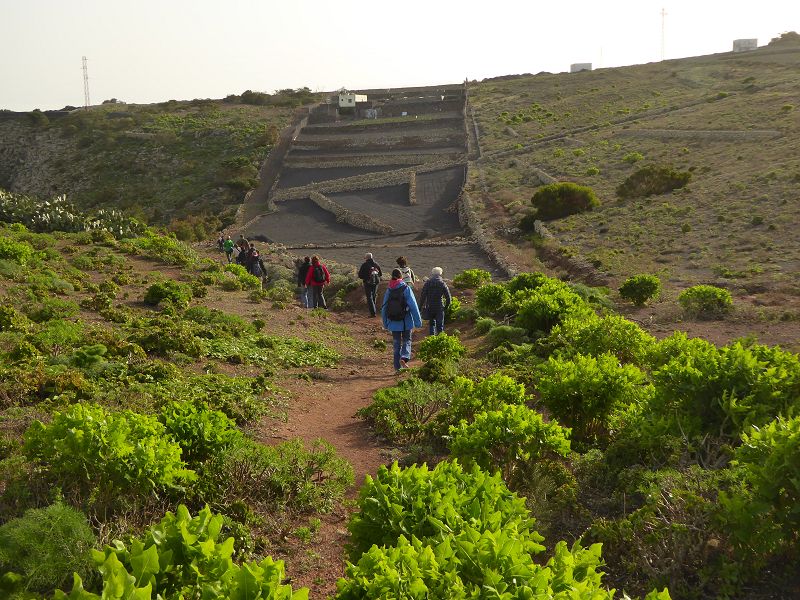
(317, 278)
(370, 273)
(403, 323)
(435, 297)
(302, 272)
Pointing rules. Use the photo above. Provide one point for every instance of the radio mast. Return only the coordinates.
(86, 101)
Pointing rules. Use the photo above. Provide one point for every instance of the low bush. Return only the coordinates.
(245, 279)
(472, 278)
(89, 451)
(178, 293)
(652, 180)
(18, 252)
(483, 325)
(584, 392)
(46, 546)
(452, 313)
(402, 413)
(470, 398)
(706, 301)
(490, 298)
(51, 309)
(201, 433)
(641, 288)
(594, 336)
(558, 200)
(504, 335)
(508, 440)
(547, 306)
(527, 281)
(442, 346)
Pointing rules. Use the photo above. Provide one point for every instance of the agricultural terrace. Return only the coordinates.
(389, 185)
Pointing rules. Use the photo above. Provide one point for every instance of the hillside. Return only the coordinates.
(185, 164)
(730, 120)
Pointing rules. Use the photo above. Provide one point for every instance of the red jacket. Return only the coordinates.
(310, 275)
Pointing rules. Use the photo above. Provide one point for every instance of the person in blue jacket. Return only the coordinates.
(400, 315)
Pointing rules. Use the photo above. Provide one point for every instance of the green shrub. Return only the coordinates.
(11, 320)
(472, 278)
(766, 519)
(19, 252)
(401, 413)
(527, 281)
(490, 298)
(86, 448)
(562, 199)
(164, 335)
(508, 440)
(430, 503)
(594, 336)
(442, 346)
(470, 398)
(652, 180)
(216, 322)
(201, 433)
(46, 546)
(504, 335)
(641, 288)
(547, 306)
(583, 393)
(706, 301)
(452, 313)
(633, 157)
(247, 281)
(178, 293)
(184, 557)
(483, 325)
(160, 247)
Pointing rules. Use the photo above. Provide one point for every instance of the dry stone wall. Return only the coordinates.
(354, 219)
(412, 189)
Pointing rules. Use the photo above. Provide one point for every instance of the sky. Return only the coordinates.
(151, 51)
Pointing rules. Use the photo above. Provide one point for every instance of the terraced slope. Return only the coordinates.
(404, 172)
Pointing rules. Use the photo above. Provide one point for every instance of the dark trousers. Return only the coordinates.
(437, 322)
(319, 298)
(372, 293)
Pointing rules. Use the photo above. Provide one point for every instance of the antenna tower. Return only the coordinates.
(86, 101)
(663, 37)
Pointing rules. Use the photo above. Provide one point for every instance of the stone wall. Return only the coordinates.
(412, 189)
(354, 219)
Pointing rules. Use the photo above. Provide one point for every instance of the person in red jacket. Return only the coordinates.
(318, 277)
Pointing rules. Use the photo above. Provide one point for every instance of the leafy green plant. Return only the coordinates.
(527, 281)
(442, 346)
(245, 279)
(505, 335)
(508, 440)
(484, 324)
(652, 180)
(472, 278)
(178, 293)
(491, 298)
(19, 252)
(86, 448)
(633, 157)
(641, 288)
(547, 306)
(594, 336)
(200, 432)
(46, 546)
(558, 200)
(706, 301)
(184, 557)
(584, 392)
(470, 398)
(402, 413)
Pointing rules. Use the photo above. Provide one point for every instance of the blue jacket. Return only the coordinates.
(412, 318)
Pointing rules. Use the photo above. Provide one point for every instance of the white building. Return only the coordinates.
(745, 45)
(349, 99)
(578, 67)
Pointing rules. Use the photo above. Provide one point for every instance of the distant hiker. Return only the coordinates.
(405, 270)
(221, 241)
(400, 315)
(370, 273)
(254, 262)
(302, 272)
(434, 299)
(318, 277)
(228, 247)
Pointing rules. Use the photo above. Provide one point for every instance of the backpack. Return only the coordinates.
(374, 276)
(319, 274)
(396, 307)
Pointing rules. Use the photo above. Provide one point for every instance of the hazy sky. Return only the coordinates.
(146, 51)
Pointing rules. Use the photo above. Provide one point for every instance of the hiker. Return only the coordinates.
(370, 273)
(221, 241)
(302, 271)
(318, 277)
(434, 299)
(228, 247)
(254, 262)
(400, 315)
(408, 274)
(244, 249)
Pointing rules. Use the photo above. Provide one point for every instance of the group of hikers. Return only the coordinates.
(400, 311)
(242, 252)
